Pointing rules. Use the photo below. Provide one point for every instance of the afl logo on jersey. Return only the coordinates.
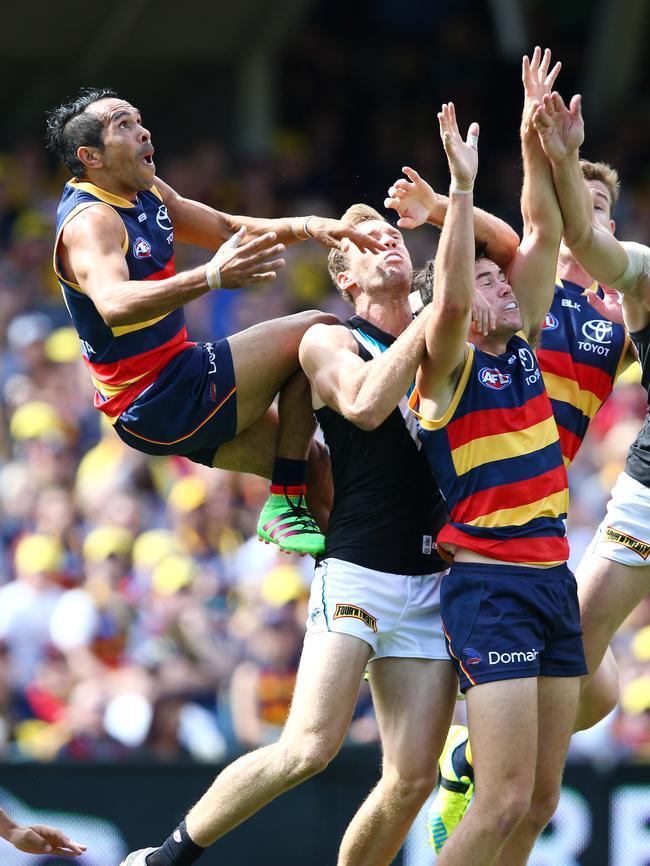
(550, 323)
(163, 220)
(141, 248)
(598, 331)
(493, 378)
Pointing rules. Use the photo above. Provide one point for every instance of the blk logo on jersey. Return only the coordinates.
(550, 323)
(471, 656)
(141, 248)
(492, 378)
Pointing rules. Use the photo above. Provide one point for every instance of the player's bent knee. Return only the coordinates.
(505, 811)
(410, 786)
(596, 704)
(307, 757)
(542, 809)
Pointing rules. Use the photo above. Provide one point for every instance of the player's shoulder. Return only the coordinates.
(335, 335)
(98, 221)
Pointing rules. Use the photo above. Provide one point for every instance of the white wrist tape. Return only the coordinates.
(213, 267)
(461, 189)
(638, 266)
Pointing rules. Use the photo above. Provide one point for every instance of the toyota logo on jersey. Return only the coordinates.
(550, 322)
(141, 248)
(598, 331)
(493, 378)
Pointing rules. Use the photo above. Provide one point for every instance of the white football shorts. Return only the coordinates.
(624, 534)
(397, 614)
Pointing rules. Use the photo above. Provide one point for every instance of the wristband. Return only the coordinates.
(213, 275)
(300, 228)
(460, 188)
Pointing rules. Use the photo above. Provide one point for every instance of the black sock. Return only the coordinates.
(177, 850)
(459, 761)
(289, 473)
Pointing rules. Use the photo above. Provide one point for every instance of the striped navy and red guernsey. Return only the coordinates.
(580, 354)
(496, 455)
(126, 359)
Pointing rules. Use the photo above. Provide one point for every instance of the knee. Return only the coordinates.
(411, 786)
(316, 317)
(305, 757)
(598, 699)
(542, 808)
(505, 810)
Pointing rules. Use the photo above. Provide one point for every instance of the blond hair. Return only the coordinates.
(606, 174)
(338, 261)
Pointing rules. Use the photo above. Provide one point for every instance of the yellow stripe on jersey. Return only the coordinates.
(101, 194)
(568, 391)
(549, 506)
(127, 329)
(504, 446)
(111, 390)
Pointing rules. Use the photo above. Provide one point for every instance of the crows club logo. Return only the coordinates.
(141, 248)
(527, 360)
(550, 323)
(163, 220)
(471, 656)
(598, 331)
(492, 378)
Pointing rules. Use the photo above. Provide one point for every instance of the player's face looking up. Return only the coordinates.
(602, 204)
(491, 282)
(390, 264)
(127, 156)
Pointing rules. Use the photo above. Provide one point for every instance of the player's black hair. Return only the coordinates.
(70, 126)
(423, 278)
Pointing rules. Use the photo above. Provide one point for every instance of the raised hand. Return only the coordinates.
(561, 130)
(537, 81)
(238, 263)
(40, 839)
(484, 317)
(413, 199)
(461, 155)
(608, 306)
(334, 233)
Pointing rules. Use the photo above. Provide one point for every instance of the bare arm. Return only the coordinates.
(453, 293)
(38, 839)
(364, 392)
(416, 202)
(533, 270)
(561, 132)
(92, 253)
(625, 266)
(196, 223)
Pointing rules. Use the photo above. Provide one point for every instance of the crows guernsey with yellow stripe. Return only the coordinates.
(496, 455)
(123, 361)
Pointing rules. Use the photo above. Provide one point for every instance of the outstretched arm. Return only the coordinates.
(416, 202)
(623, 266)
(196, 223)
(534, 267)
(364, 392)
(453, 293)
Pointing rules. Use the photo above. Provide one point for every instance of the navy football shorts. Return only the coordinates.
(505, 622)
(189, 410)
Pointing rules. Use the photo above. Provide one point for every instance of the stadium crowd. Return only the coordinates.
(139, 615)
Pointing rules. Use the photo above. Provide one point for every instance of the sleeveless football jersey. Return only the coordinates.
(580, 355)
(496, 456)
(387, 508)
(125, 359)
